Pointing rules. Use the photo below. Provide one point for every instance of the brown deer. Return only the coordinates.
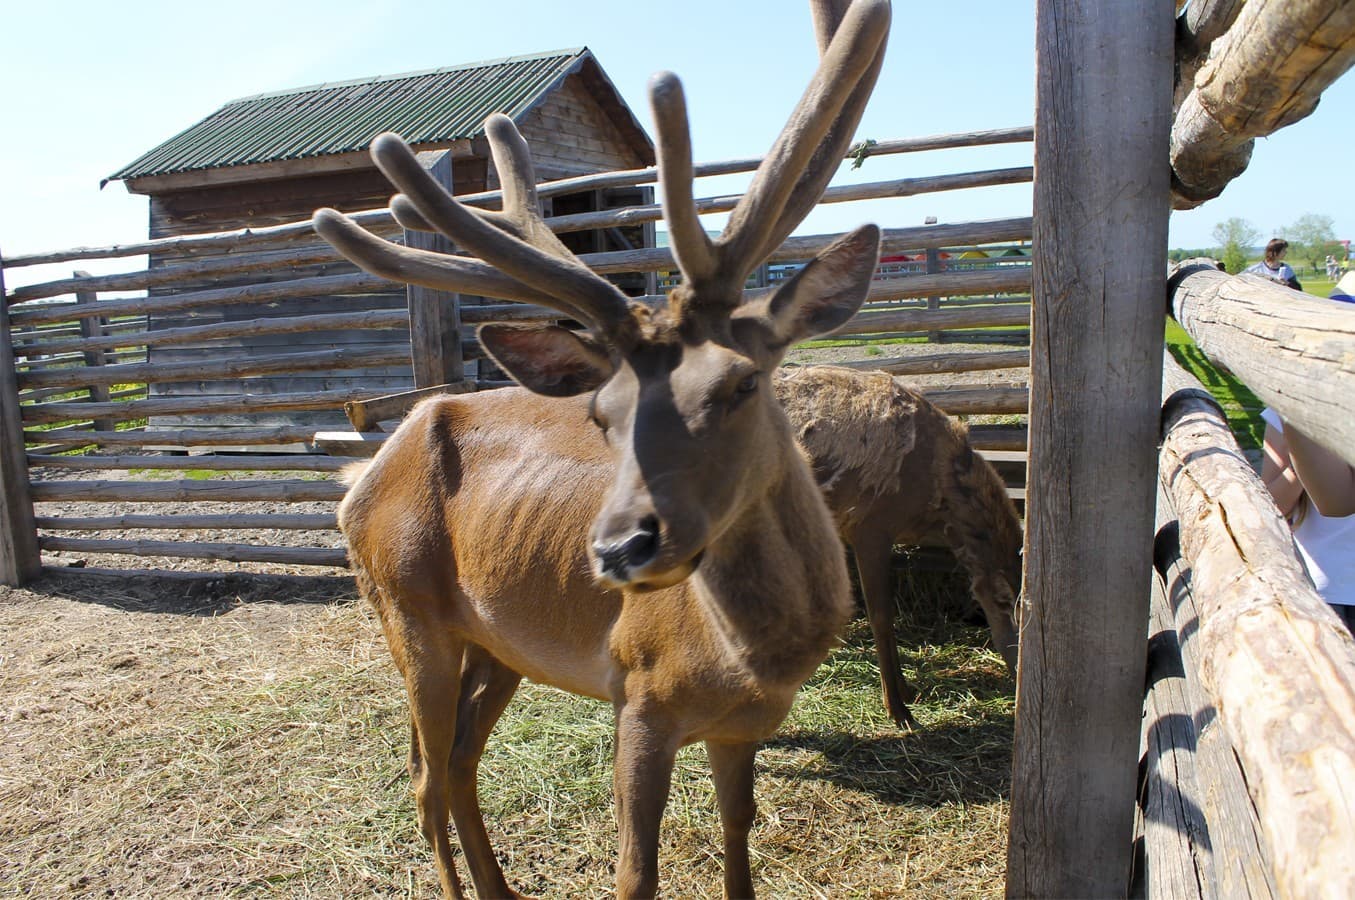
(710, 583)
(895, 469)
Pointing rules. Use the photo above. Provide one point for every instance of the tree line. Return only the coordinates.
(1312, 238)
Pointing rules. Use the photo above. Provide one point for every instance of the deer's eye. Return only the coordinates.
(747, 385)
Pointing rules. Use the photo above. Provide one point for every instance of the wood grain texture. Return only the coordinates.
(1103, 113)
(1274, 659)
(1294, 351)
(1267, 71)
(20, 559)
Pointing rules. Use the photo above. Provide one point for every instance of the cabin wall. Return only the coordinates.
(261, 204)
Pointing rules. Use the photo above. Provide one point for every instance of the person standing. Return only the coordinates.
(1273, 265)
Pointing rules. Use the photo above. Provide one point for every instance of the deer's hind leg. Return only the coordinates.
(487, 686)
(872, 545)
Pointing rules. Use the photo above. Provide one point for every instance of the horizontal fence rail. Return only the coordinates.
(1272, 657)
(228, 358)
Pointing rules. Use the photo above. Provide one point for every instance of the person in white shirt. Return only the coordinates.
(1315, 489)
(1274, 267)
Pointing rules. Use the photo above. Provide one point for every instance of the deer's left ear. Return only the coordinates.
(547, 359)
(826, 293)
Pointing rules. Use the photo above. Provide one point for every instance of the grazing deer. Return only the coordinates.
(711, 582)
(895, 469)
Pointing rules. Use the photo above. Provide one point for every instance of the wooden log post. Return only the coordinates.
(1103, 114)
(20, 558)
(92, 326)
(933, 267)
(1274, 660)
(1295, 352)
(434, 316)
(1267, 71)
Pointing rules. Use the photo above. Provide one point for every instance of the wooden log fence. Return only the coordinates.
(1277, 666)
(83, 366)
(1268, 70)
(1295, 352)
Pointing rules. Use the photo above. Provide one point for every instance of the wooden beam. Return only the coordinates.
(185, 491)
(1268, 71)
(434, 316)
(1292, 350)
(1240, 858)
(1277, 663)
(305, 556)
(20, 559)
(1103, 114)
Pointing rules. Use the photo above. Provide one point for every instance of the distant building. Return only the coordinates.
(276, 157)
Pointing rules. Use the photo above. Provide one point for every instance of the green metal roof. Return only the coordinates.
(434, 106)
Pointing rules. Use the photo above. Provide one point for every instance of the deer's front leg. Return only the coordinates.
(731, 767)
(645, 751)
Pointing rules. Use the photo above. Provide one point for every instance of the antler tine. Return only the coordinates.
(832, 104)
(563, 283)
(440, 271)
(521, 214)
(690, 244)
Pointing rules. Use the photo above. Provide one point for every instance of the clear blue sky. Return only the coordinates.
(89, 87)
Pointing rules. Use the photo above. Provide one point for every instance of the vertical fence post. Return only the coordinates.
(91, 326)
(933, 267)
(1103, 116)
(434, 316)
(20, 559)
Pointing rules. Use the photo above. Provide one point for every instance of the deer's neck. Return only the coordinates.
(776, 585)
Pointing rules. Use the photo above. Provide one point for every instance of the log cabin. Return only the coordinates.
(276, 157)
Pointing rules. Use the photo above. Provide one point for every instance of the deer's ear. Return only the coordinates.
(826, 293)
(547, 359)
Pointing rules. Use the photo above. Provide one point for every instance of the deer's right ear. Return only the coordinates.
(548, 359)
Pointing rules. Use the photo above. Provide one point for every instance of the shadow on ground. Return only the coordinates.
(191, 594)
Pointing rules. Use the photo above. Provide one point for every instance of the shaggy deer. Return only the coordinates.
(711, 582)
(895, 469)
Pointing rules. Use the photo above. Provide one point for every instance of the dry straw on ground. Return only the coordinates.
(231, 736)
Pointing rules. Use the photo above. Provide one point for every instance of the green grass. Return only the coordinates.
(1240, 406)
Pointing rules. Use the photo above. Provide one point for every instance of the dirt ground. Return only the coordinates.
(121, 694)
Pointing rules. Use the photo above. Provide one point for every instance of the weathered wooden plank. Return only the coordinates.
(306, 556)
(136, 409)
(185, 491)
(365, 414)
(1103, 92)
(958, 401)
(189, 335)
(185, 437)
(1278, 664)
(312, 255)
(1241, 860)
(913, 320)
(89, 327)
(903, 187)
(1295, 352)
(1268, 71)
(434, 316)
(254, 462)
(931, 363)
(20, 560)
(209, 299)
(200, 370)
(241, 521)
(1177, 858)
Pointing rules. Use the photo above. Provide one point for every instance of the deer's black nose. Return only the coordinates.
(617, 558)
